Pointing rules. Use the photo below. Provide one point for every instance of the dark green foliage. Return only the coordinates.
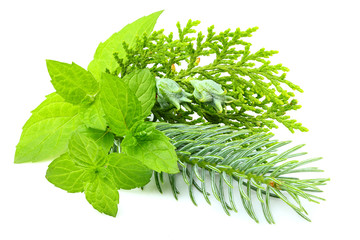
(262, 92)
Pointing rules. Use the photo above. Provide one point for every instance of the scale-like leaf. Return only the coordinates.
(72, 82)
(122, 108)
(46, 134)
(104, 59)
(142, 84)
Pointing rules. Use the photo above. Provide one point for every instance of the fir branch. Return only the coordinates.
(236, 159)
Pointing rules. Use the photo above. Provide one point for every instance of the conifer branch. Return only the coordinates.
(261, 91)
(239, 161)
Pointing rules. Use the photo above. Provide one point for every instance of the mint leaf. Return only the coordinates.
(85, 168)
(72, 82)
(154, 150)
(104, 59)
(93, 116)
(64, 174)
(46, 134)
(85, 152)
(122, 108)
(128, 172)
(142, 84)
(104, 139)
(142, 129)
(102, 194)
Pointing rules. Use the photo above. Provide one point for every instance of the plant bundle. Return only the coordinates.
(146, 107)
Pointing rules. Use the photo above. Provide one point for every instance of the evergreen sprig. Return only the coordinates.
(261, 91)
(234, 160)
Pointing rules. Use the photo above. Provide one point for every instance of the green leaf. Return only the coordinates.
(142, 129)
(128, 172)
(64, 174)
(104, 59)
(72, 82)
(122, 108)
(85, 152)
(103, 195)
(46, 134)
(93, 116)
(153, 150)
(104, 139)
(142, 84)
(85, 168)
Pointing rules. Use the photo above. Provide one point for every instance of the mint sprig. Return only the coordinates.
(87, 167)
(91, 110)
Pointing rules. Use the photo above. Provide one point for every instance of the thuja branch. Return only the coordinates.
(262, 94)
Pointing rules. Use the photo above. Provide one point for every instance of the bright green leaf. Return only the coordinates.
(75, 84)
(64, 174)
(93, 116)
(142, 84)
(122, 108)
(128, 172)
(85, 152)
(104, 59)
(103, 195)
(142, 129)
(153, 150)
(46, 134)
(104, 139)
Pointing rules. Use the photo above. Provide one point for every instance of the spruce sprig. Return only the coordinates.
(235, 160)
(262, 92)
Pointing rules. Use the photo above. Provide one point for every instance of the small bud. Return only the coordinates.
(197, 61)
(173, 69)
(293, 102)
(210, 92)
(170, 93)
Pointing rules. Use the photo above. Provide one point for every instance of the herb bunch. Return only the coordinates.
(262, 94)
(131, 115)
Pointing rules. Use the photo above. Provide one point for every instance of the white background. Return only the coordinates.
(318, 41)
